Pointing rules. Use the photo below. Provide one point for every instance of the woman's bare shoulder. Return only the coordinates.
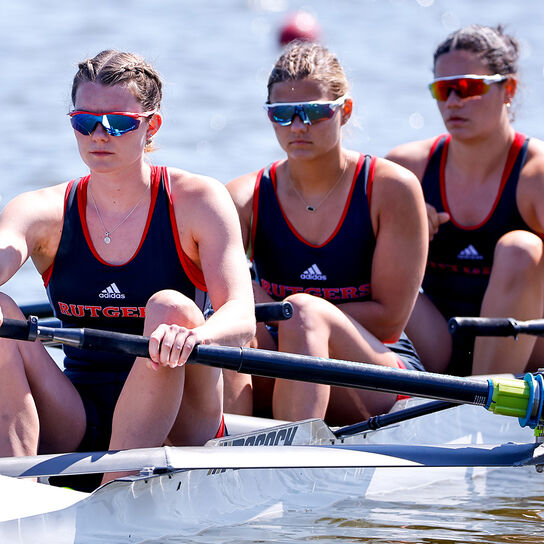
(188, 185)
(412, 155)
(241, 188)
(40, 203)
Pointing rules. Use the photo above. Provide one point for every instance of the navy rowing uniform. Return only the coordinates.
(339, 269)
(460, 256)
(86, 291)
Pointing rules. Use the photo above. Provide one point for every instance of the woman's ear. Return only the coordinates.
(154, 125)
(510, 86)
(347, 108)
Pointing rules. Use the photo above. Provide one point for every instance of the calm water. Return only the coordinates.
(215, 57)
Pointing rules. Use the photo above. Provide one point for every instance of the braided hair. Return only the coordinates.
(111, 67)
(307, 60)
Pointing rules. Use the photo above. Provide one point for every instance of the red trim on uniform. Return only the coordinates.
(255, 211)
(402, 366)
(46, 276)
(513, 153)
(82, 207)
(370, 180)
(435, 145)
(340, 222)
(221, 431)
(191, 269)
(442, 175)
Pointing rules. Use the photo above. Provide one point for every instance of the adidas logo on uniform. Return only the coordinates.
(313, 273)
(469, 252)
(111, 291)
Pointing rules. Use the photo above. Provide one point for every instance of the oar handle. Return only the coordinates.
(273, 311)
(264, 311)
(20, 330)
(495, 326)
(129, 344)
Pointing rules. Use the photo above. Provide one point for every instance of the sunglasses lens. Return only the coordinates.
(119, 124)
(318, 112)
(282, 115)
(84, 123)
(463, 87)
(114, 124)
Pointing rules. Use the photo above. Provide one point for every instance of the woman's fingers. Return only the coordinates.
(171, 345)
(435, 219)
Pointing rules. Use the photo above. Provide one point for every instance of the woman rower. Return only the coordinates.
(484, 187)
(340, 235)
(130, 247)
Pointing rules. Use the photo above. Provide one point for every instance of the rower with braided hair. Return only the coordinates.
(131, 247)
(339, 234)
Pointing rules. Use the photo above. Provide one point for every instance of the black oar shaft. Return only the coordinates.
(279, 365)
(495, 326)
(344, 373)
(383, 420)
(20, 330)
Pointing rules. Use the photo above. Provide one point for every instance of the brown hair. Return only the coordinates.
(309, 60)
(112, 67)
(499, 51)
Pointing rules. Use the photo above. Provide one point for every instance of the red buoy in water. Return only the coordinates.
(299, 25)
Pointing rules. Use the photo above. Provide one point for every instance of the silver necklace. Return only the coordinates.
(108, 233)
(313, 208)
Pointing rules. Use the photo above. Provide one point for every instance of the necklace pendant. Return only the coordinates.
(107, 239)
(310, 209)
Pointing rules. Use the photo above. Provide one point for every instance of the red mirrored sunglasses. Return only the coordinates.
(464, 86)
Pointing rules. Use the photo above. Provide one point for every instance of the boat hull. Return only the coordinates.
(184, 502)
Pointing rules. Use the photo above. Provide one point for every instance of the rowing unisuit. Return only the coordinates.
(460, 257)
(286, 263)
(86, 291)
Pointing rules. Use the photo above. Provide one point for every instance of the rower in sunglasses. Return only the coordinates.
(323, 225)
(132, 247)
(484, 187)
(115, 123)
(283, 113)
(465, 86)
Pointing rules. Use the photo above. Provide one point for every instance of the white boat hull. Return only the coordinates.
(186, 502)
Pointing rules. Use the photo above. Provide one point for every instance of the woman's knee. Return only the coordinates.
(308, 311)
(9, 307)
(518, 254)
(169, 306)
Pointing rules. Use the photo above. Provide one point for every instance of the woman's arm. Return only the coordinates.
(30, 226)
(530, 191)
(241, 191)
(400, 225)
(211, 236)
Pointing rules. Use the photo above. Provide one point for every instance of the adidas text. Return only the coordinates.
(313, 273)
(112, 291)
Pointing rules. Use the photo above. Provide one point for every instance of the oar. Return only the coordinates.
(39, 309)
(379, 422)
(264, 311)
(507, 396)
(495, 326)
(165, 459)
